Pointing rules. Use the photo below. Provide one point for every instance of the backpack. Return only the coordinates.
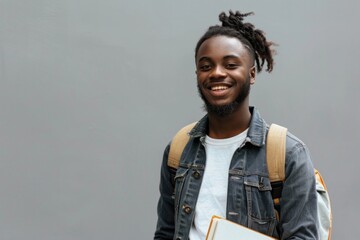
(275, 158)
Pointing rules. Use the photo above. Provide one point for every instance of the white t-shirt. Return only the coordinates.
(213, 191)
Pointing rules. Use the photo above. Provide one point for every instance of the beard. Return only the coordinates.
(227, 109)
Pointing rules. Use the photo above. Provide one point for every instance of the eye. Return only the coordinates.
(231, 65)
(205, 67)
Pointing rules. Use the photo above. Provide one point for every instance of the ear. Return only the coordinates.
(252, 74)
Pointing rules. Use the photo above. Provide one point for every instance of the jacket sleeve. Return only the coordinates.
(298, 217)
(165, 210)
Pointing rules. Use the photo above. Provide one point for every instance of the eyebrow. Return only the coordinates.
(203, 59)
(206, 58)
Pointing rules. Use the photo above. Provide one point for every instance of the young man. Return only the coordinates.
(223, 168)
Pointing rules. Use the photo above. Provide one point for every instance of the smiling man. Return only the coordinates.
(223, 167)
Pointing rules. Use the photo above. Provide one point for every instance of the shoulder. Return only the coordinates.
(296, 152)
(293, 143)
(277, 132)
(298, 156)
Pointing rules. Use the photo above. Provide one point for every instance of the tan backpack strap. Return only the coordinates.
(275, 152)
(178, 144)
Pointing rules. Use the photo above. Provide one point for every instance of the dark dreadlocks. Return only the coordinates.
(253, 39)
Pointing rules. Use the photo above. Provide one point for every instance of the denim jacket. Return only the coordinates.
(249, 199)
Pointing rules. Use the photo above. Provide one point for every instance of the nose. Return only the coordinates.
(218, 72)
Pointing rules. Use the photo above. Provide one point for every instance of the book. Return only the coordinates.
(221, 229)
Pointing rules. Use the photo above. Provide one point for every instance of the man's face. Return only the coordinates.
(225, 72)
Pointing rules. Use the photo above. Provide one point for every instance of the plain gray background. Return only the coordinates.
(92, 91)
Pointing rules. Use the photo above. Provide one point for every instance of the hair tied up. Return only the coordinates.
(256, 37)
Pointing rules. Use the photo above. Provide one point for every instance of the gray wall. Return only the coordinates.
(92, 91)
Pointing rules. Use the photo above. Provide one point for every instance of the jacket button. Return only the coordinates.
(187, 209)
(196, 174)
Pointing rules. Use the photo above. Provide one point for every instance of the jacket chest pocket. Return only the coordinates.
(260, 205)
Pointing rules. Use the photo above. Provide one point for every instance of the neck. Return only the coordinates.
(230, 125)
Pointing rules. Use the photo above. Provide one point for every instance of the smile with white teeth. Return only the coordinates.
(219, 88)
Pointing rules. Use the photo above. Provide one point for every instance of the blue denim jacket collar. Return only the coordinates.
(256, 134)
